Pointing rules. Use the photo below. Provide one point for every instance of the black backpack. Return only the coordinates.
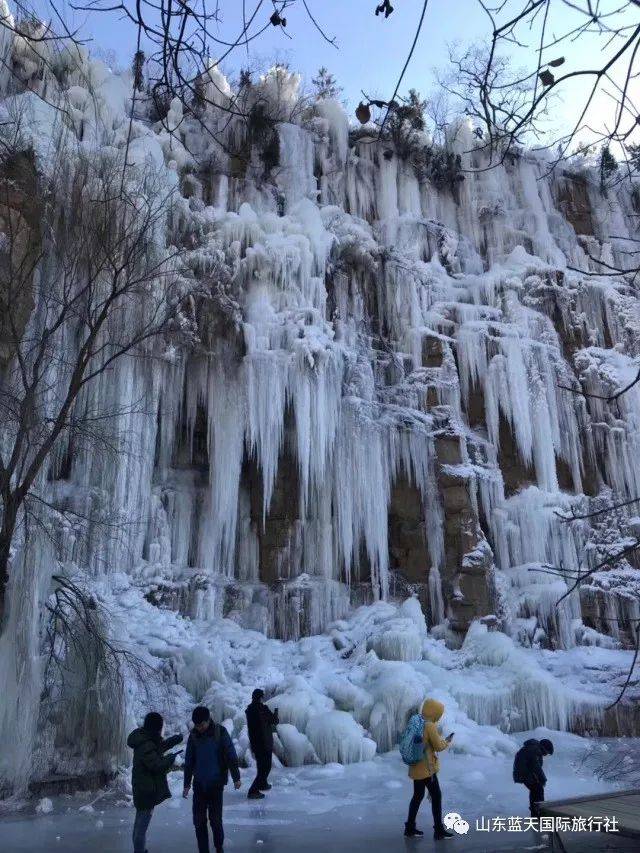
(520, 766)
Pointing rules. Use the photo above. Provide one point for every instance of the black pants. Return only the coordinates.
(263, 762)
(433, 786)
(208, 802)
(536, 795)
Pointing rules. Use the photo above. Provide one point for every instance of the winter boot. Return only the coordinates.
(255, 795)
(266, 787)
(440, 834)
(412, 831)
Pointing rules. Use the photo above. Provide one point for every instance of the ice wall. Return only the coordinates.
(379, 399)
(376, 404)
(393, 410)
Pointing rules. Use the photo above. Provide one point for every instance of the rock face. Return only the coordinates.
(397, 418)
(573, 201)
(408, 553)
(389, 412)
(19, 222)
(377, 396)
(468, 558)
(379, 401)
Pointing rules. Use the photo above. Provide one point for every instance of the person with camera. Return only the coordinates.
(149, 773)
(261, 722)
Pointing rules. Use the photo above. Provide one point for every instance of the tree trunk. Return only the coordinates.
(9, 517)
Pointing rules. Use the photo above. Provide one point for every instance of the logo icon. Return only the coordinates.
(454, 821)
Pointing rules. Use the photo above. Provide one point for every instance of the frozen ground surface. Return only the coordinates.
(358, 807)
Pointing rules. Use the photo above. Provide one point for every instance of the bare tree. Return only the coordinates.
(614, 763)
(510, 106)
(494, 96)
(608, 556)
(542, 29)
(439, 112)
(85, 281)
(85, 671)
(179, 40)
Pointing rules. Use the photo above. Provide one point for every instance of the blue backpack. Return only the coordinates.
(411, 741)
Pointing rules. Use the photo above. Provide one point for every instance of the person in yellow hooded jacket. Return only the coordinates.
(425, 773)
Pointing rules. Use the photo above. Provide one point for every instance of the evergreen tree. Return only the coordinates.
(412, 110)
(608, 167)
(325, 85)
(200, 93)
(137, 68)
(633, 152)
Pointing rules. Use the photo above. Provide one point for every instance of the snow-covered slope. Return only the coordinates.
(373, 409)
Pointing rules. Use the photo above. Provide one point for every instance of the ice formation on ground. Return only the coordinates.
(374, 415)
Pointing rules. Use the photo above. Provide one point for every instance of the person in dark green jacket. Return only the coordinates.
(149, 773)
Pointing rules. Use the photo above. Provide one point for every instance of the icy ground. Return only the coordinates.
(356, 808)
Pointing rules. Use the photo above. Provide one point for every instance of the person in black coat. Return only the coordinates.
(149, 773)
(260, 722)
(527, 770)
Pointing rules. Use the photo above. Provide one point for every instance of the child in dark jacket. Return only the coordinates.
(209, 759)
(149, 773)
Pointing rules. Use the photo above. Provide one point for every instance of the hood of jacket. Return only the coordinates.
(139, 736)
(532, 742)
(432, 710)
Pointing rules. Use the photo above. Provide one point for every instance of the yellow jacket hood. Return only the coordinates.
(432, 710)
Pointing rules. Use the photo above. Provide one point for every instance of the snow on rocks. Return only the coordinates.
(400, 641)
(299, 703)
(397, 691)
(44, 806)
(197, 668)
(293, 748)
(345, 704)
(337, 738)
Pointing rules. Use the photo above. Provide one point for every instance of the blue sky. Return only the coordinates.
(371, 50)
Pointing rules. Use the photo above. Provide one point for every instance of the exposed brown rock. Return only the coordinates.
(467, 573)
(597, 606)
(574, 203)
(408, 552)
(474, 409)
(449, 448)
(432, 351)
(280, 533)
(19, 221)
(515, 473)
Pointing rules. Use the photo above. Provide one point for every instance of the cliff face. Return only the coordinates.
(378, 403)
(378, 400)
(388, 412)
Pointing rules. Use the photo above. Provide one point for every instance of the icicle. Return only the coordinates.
(435, 597)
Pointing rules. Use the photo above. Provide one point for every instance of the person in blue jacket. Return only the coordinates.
(209, 759)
